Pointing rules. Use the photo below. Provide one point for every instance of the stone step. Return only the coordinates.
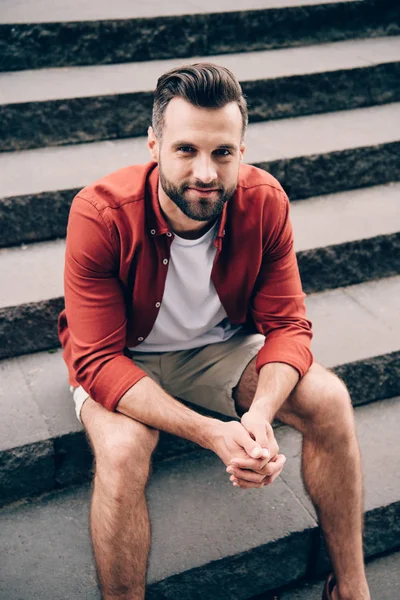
(217, 542)
(310, 155)
(335, 247)
(51, 34)
(47, 107)
(42, 445)
(383, 575)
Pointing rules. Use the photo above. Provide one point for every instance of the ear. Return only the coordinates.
(242, 150)
(153, 144)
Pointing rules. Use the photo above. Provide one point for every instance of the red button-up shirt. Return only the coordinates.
(116, 263)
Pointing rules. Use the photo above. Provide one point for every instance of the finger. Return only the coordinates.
(252, 448)
(268, 470)
(258, 429)
(249, 476)
(269, 480)
(249, 463)
(246, 485)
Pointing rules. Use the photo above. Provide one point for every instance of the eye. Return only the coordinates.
(186, 149)
(222, 152)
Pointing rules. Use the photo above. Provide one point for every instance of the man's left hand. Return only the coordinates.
(250, 472)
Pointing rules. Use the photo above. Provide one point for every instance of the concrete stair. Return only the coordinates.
(46, 107)
(323, 86)
(310, 155)
(229, 543)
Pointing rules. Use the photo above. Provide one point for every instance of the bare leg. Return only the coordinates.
(119, 522)
(320, 408)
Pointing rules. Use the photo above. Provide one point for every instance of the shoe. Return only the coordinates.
(328, 588)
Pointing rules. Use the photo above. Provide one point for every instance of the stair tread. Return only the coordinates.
(67, 167)
(38, 85)
(46, 11)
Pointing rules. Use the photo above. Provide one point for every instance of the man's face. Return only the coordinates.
(199, 157)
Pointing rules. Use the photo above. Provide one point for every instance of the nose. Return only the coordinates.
(204, 169)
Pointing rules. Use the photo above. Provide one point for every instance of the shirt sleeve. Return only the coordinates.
(278, 306)
(95, 307)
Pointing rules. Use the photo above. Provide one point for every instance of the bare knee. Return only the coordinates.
(321, 405)
(123, 449)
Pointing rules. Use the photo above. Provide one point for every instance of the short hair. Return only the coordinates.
(205, 85)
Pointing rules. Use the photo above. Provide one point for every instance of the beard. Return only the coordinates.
(203, 208)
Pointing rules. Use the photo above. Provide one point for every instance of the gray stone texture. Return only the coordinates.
(41, 216)
(205, 553)
(34, 217)
(217, 542)
(63, 436)
(383, 575)
(372, 378)
(308, 176)
(38, 45)
(76, 120)
(29, 327)
(352, 262)
(32, 326)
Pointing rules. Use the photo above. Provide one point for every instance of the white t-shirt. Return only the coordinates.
(191, 313)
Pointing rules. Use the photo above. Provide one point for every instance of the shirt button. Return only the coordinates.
(158, 304)
(169, 234)
(152, 231)
(165, 261)
(140, 339)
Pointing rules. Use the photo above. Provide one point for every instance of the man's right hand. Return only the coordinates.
(232, 441)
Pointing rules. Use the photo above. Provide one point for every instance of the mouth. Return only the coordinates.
(204, 191)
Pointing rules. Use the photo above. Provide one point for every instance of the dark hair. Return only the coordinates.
(204, 85)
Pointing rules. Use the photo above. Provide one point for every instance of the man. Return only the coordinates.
(181, 281)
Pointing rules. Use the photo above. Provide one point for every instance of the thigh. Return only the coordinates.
(206, 376)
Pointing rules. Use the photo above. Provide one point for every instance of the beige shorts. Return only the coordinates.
(203, 376)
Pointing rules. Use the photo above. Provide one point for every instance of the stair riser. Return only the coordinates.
(80, 120)
(257, 571)
(39, 45)
(44, 216)
(67, 459)
(381, 534)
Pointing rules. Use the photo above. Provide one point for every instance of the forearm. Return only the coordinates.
(275, 382)
(148, 403)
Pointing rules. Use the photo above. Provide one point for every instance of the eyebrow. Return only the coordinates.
(220, 147)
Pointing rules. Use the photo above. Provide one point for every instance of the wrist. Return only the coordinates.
(263, 407)
(209, 433)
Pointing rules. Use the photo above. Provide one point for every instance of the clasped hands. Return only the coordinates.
(250, 451)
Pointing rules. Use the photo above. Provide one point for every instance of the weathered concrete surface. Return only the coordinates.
(383, 575)
(356, 332)
(82, 104)
(37, 45)
(311, 155)
(338, 238)
(42, 85)
(29, 327)
(200, 498)
(230, 544)
(26, 453)
(32, 326)
(346, 329)
(378, 438)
